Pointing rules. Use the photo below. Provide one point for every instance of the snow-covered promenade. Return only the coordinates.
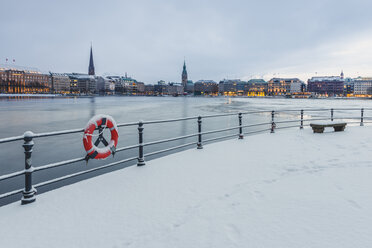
(288, 189)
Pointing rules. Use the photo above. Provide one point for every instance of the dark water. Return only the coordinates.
(38, 115)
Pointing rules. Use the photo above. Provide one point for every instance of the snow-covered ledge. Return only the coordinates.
(288, 189)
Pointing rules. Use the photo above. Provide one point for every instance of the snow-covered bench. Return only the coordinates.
(319, 127)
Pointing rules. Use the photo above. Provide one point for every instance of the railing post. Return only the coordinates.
(141, 159)
(241, 136)
(29, 191)
(361, 117)
(302, 119)
(199, 145)
(272, 122)
(332, 114)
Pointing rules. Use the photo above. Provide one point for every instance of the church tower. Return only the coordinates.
(342, 74)
(184, 76)
(91, 64)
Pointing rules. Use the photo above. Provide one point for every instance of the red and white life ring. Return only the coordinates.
(100, 121)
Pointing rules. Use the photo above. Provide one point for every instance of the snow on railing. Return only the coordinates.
(29, 191)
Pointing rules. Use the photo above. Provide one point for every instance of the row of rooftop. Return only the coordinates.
(20, 80)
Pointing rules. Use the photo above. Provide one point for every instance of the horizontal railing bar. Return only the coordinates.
(299, 110)
(11, 139)
(40, 135)
(170, 120)
(256, 112)
(319, 119)
(236, 113)
(299, 120)
(345, 117)
(127, 124)
(11, 175)
(126, 148)
(170, 139)
(222, 137)
(219, 115)
(255, 125)
(11, 193)
(257, 131)
(287, 127)
(170, 149)
(83, 172)
(327, 109)
(220, 130)
(57, 164)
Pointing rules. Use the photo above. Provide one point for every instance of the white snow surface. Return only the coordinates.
(289, 189)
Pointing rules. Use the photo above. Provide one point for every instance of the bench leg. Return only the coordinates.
(318, 130)
(339, 129)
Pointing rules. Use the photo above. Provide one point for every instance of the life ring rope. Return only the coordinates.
(101, 122)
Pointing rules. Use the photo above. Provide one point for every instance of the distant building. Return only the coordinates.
(16, 79)
(184, 76)
(175, 89)
(149, 89)
(349, 87)
(297, 87)
(205, 87)
(60, 83)
(160, 88)
(363, 86)
(105, 85)
(228, 87)
(257, 87)
(190, 86)
(82, 83)
(140, 88)
(281, 86)
(329, 86)
(117, 82)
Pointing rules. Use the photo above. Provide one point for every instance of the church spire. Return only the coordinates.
(91, 64)
(184, 76)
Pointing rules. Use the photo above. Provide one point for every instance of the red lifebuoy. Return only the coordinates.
(101, 122)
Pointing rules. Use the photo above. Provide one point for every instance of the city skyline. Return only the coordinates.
(239, 39)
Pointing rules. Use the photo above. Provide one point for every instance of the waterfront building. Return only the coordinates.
(117, 81)
(363, 87)
(174, 89)
(184, 76)
(91, 70)
(228, 87)
(242, 88)
(190, 87)
(82, 83)
(297, 87)
(129, 85)
(257, 87)
(205, 87)
(140, 88)
(149, 89)
(160, 88)
(21, 80)
(105, 85)
(349, 87)
(60, 83)
(327, 86)
(281, 86)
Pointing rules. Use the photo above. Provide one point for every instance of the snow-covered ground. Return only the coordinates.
(288, 189)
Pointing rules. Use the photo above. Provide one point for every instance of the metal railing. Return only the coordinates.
(29, 190)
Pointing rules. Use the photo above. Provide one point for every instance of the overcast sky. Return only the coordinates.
(219, 39)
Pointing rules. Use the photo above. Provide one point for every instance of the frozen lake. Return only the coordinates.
(52, 114)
